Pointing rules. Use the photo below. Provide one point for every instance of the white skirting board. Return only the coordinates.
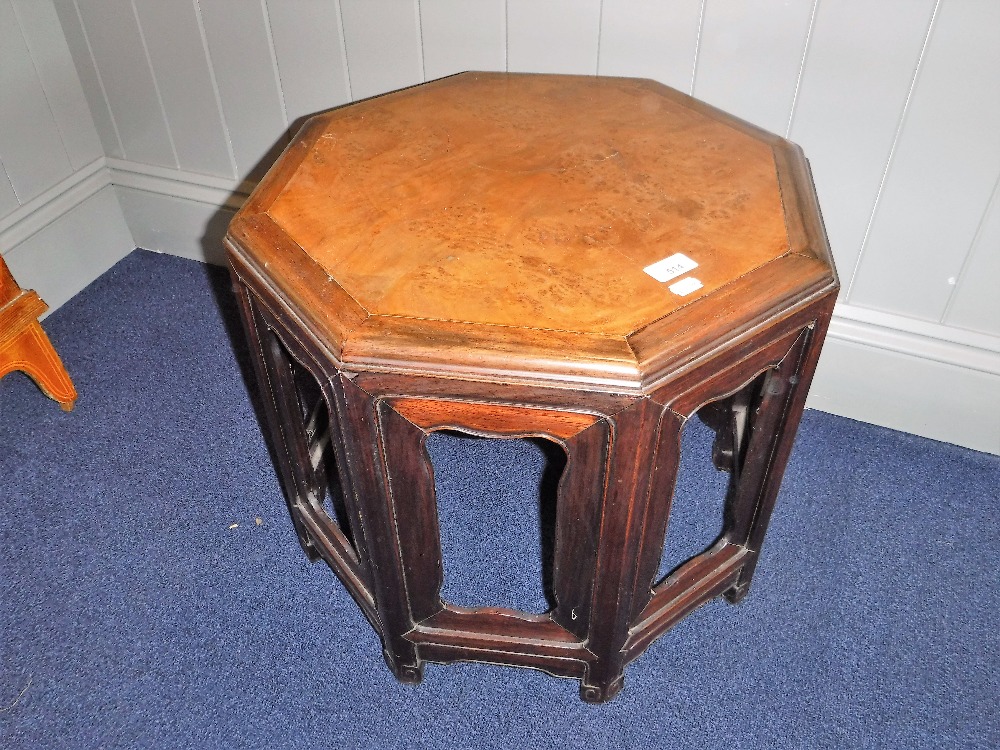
(923, 378)
(176, 212)
(928, 379)
(65, 238)
(908, 392)
(178, 226)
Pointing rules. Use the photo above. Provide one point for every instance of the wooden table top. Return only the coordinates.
(551, 224)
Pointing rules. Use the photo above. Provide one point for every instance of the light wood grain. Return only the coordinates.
(589, 182)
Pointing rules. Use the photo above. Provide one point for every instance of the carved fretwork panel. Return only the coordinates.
(318, 490)
(730, 418)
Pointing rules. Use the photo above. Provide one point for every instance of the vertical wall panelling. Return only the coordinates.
(895, 103)
(185, 85)
(560, 36)
(650, 39)
(975, 303)
(851, 96)
(383, 45)
(459, 35)
(31, 148)
(274, 59)
(8, 201)
(944, 166)
(113, 33)
(59, 79)
(238, 46)
(309, 47)
(93, 87)
(60, 223)
(750, 55)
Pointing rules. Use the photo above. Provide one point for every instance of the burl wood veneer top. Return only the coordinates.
(534, 202)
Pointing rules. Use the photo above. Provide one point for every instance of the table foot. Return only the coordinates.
(312, 554)
(601, 693)
(30, 351)
(737, 593)
(411, 674)
(305, 541)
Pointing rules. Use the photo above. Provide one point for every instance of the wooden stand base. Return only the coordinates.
(357, 441)
(24, 345)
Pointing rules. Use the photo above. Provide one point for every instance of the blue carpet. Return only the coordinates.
(143, 605)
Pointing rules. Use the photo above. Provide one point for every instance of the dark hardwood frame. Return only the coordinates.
(741, 358)
(609, 535)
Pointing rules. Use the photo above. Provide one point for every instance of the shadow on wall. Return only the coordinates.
(214, 252)
(218, 223)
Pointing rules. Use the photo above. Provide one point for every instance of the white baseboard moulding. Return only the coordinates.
(60, 241)
(919, 377)
(910, 375)
(175, 212)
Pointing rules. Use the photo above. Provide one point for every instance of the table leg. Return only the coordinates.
(638, 484)
(276, 386)
(765, 433)
(30, 351)
(368, 480)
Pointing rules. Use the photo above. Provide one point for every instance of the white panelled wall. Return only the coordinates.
(60, 222)
(895, 102)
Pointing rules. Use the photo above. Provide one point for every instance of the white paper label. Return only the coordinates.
(684, 287)
(670, 268)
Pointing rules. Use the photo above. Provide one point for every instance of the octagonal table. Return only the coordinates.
(589, 260)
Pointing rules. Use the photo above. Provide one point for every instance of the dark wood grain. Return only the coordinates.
(317, 532)
(370, 483)
(578, 526)
(692, 585)
(623, 528)
(413, 509)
